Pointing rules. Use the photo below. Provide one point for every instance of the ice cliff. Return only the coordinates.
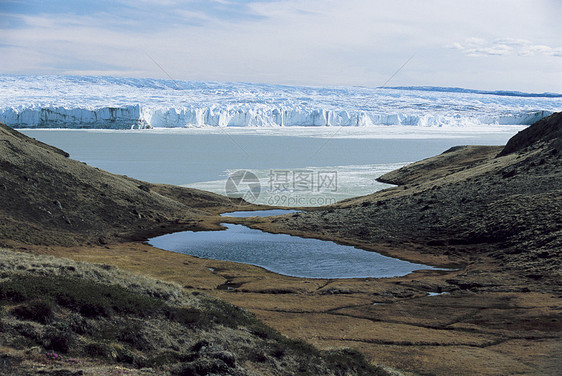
(118, 103)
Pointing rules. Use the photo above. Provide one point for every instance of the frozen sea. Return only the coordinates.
(283, 161)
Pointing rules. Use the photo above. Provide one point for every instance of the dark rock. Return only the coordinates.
(226, 356)
(508, 174)
(201, 345)
(547, 130)
(203, 367)
(60, 372)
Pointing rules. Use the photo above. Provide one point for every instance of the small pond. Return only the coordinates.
(259, 213)
(285, 254)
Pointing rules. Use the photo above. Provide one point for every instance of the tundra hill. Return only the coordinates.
(47, 198)
(473, 204)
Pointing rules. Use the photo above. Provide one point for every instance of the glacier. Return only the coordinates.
(134, 103)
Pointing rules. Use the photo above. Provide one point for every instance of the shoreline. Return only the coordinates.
(501, 133)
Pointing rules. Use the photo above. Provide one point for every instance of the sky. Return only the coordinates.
(477, 44)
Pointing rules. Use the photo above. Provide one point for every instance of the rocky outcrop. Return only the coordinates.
(468, 204)
(546, 132)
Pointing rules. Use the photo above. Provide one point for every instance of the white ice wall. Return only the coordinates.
(111, 102)
(137, 117)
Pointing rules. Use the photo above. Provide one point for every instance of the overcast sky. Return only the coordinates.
(478, 44)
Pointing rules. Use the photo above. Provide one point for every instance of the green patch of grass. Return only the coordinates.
(93, 300)
(185, 315)
(346, 360)
(89, 298)
(37, 310)
(226, 314)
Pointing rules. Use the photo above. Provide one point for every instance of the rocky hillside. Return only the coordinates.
(48, 198)
(546, 133)
(469, 203)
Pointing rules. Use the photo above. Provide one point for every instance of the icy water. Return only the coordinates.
(285, 254)
(203, 158)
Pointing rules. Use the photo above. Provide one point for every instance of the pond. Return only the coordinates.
(259, 213)
(285, 254)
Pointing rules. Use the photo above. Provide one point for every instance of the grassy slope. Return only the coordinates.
(62, 316)
(47, 198)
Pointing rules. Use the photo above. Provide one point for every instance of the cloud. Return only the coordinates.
(318, 42)
(138, 15)
(505, 47)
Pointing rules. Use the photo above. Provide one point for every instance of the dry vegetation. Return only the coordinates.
(64, 317)
(12, 263)
(494, 212)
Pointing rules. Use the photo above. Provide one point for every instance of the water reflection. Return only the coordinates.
(285, 254)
